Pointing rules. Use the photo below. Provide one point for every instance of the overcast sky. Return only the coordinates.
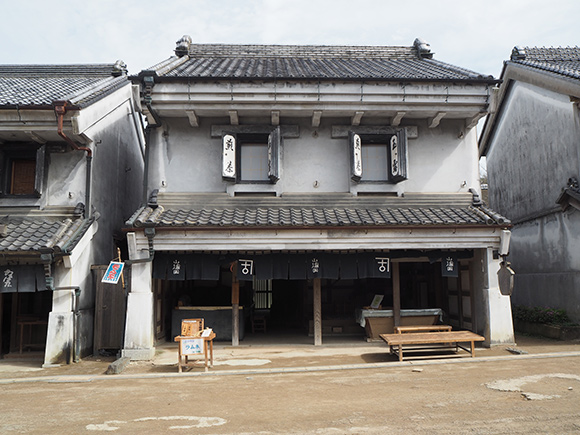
(475, 35)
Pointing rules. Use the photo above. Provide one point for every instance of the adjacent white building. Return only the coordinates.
(71, 158)
(304, 180)
(532, 144)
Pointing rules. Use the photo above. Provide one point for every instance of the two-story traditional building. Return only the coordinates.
(305, 180)
(532, 144)
(71, 158)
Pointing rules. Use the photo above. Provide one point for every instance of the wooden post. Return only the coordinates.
(396, 295)
(1, 311)
(235, 307)
(317, 311)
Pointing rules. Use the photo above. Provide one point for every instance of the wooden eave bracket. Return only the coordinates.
(193, 119)
(275, 117)
(316, 116)
(234, 120)
(434, 122)
(355, 120)
(397, 119)
(472, 122)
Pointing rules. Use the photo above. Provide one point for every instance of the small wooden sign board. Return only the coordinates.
(191, 346)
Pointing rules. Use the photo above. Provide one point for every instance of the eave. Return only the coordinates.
(355, 99)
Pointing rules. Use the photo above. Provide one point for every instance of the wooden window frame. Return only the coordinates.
(11, 154)
(396, 161)
(232, 150)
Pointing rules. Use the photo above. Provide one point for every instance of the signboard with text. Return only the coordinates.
(113, 272)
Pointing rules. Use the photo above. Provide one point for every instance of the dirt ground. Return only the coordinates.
(329, 392)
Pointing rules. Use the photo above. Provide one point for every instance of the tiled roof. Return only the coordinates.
(41, 85)
(561, 60)
(33, 231)
(314, 211)
(222, 61)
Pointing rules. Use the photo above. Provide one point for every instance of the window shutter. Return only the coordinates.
(355, 144)
(40, 165)
(274, 155)
(398, 156)
(229, 157)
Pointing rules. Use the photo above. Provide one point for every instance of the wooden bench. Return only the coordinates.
(421, 328)
(446, 338)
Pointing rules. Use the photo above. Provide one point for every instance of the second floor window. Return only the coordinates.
(22, 177)
(254, 160)
(22, 170)
(251, 157)
(379, 157)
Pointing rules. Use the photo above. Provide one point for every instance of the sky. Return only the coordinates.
(475, 35)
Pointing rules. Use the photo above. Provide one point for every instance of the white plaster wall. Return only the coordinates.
(117, 177)
(186, 159)
(545, 254)
(492, 309)
(533, 152)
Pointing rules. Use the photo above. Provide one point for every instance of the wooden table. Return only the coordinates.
(185, 351)
(445, 338)
(421, 328)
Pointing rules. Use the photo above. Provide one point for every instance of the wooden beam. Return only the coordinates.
(235, 307)
(234, 117)
(193, 119)
(355, 120)
(275, 116)
(397, 119)
(316, 115)
(317, 305)
(396, 294)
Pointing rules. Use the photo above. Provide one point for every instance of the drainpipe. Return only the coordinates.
(60, 110)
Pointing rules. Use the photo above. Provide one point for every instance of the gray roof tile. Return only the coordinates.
(41, 85)
(311, 211)
(564, 61)
(27, 233)
(222, 61)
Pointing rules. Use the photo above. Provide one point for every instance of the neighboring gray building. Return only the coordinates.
(71, 158)
(304, 180)
(532, 144)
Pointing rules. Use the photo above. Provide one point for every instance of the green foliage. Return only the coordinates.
(541, 315)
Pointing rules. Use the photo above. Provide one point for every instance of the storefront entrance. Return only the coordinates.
(285, 307)
(23, 323)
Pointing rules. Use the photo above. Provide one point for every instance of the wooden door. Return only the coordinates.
(159, 309)
(459, 299)
(110, 310)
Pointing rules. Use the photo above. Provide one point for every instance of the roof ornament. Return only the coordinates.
(153, 199)
(476, 199)
(423, 48)
(182, 48)
(518, 53)
(119, 69)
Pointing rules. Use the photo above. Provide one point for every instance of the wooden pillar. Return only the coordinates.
(396, 295)
(235, 307)
(1, 311)
(317, 290)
